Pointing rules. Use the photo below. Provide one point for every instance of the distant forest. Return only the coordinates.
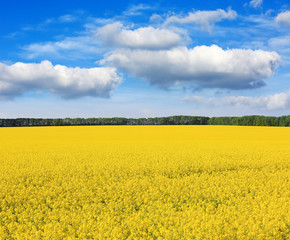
(172, 120)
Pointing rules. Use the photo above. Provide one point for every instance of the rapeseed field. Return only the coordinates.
(145, 182)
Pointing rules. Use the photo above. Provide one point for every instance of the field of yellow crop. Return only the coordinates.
(145, 182)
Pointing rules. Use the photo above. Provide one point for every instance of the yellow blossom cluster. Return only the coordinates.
(145, 182)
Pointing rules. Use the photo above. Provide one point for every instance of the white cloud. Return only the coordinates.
(281, 44)
(136, 9)
(156, 18)
(67, 18)
(69, 48)
(271, 102)
(199, 100)
(116, 35)
(66, 82)
(283, 19)
(256, 3)
(206, 66)
(206, 19)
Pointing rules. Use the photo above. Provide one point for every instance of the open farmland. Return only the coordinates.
(145, 182)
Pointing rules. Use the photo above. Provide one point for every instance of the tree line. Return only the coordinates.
(283, 121)
(172, 120)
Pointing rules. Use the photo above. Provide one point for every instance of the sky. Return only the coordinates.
(144, 58)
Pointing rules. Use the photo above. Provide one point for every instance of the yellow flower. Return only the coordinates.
(144, 182)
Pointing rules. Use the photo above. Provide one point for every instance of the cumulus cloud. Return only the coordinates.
(271, 102)
(66, 82)
(283, 19)
(206, 19)
(206, 66)
(116, 35)
(256, 3)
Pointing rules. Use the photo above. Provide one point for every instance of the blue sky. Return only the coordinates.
(142, 59)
